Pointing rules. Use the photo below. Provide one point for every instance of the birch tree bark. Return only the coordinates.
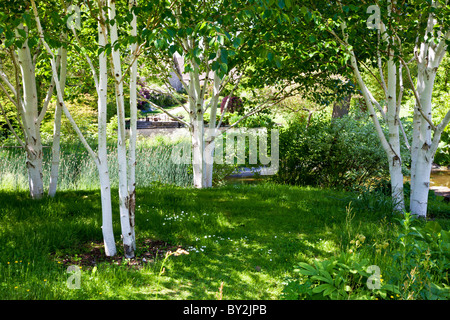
(103, 169)
(133, 127)
(56, 145)
(212, 133)
(29, 110)
(393, 121)
(124, 200)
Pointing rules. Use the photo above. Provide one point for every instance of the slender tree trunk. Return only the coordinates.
(198, 151)
(395, 162)
(31, 126)
(103, 171)
(127, 235)
(197, 127)
(424, 143)
(422, 158)
(57, 127)
(390, 146)
(34, 167)
(133, 132)
(212, 133)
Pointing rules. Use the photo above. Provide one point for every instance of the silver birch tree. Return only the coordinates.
(430, 40)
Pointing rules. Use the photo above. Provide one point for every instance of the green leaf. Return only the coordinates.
(173, 49)
(324, 279)
(171, 32)
(433, 227)
(215, 66)
(322, 287)
(197, 52)
(22, 33)
(306, 269)
(224, 55)
(329, 290)
(237, 42)
(278, 62)
(212, 56)
(224, 67)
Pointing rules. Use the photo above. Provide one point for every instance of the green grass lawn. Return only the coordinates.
(248, 237)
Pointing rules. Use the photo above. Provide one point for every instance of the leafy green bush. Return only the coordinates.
(331, 153)
(414, 266)
(340, 278)
(258, 120)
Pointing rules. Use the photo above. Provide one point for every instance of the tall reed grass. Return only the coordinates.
(78, 172)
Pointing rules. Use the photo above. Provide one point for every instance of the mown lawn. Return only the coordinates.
(248, 237)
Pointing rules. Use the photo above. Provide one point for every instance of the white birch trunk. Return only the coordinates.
(394, 158)
(133, 132)
(422, 160)
(197, 127)
(103, 171)
(212, 133)
(57, 127)
(198, 150)
(127, 236)
(30, 121)
(424, 144)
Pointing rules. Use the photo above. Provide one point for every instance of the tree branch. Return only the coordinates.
(416, 95)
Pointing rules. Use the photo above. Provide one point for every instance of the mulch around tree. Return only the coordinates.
(91, 254)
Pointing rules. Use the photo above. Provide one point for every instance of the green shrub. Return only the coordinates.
(331, 153)
(341, 278)
(414, 266)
